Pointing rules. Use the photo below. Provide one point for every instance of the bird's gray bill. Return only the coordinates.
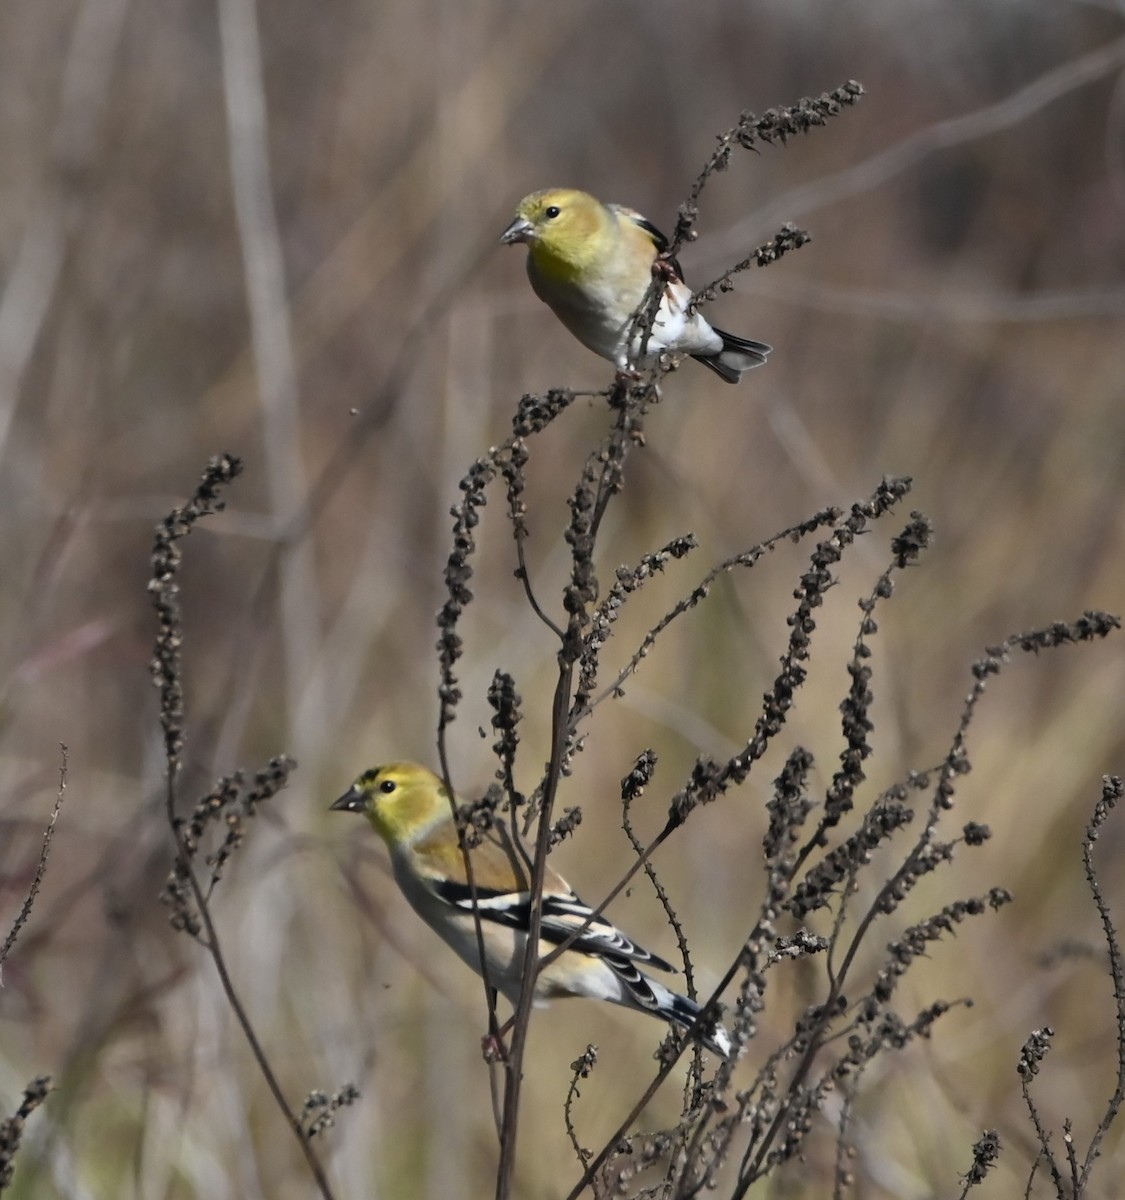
(517, 231)
(350, 801)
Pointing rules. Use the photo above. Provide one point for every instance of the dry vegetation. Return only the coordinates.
(281, 243)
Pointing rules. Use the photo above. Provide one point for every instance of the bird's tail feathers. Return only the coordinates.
(651, 995)
(737, 355)
(684, 1012)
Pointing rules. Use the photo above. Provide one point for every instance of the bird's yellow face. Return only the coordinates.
(563, 228)
(401, 800)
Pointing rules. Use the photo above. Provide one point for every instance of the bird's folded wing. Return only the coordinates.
(563, 916)
(658, 238)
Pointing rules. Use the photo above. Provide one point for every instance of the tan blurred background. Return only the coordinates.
(280, 241)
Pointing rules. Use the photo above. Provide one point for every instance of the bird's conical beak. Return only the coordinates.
(351, 801)
(519, 231)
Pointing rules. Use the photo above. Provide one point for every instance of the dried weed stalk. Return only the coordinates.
(40, 867)
(229, 804)
(827, 888)
(828, 891)
(11, 1128)
(1070, 1173)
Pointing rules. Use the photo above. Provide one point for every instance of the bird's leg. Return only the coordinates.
(492, 1045)
(493, 1049)
(665, 268)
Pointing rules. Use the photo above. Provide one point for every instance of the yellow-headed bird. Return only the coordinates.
(408, 806)
(592, 264)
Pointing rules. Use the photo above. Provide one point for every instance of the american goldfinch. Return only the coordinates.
(592, 263)
(408, 806)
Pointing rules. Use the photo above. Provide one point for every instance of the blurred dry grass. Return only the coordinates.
(960, 317)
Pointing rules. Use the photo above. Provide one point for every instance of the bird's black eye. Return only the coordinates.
(552, 212)
(387, 786)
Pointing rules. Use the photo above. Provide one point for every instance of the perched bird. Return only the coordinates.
(592, 264)
(408, 806)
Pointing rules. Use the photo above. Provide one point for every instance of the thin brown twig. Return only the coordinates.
(478, 929)
(214, 948)
(41, 867)
(505, 1175)
(1112, 792)
(893, 161)
(167, 673)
